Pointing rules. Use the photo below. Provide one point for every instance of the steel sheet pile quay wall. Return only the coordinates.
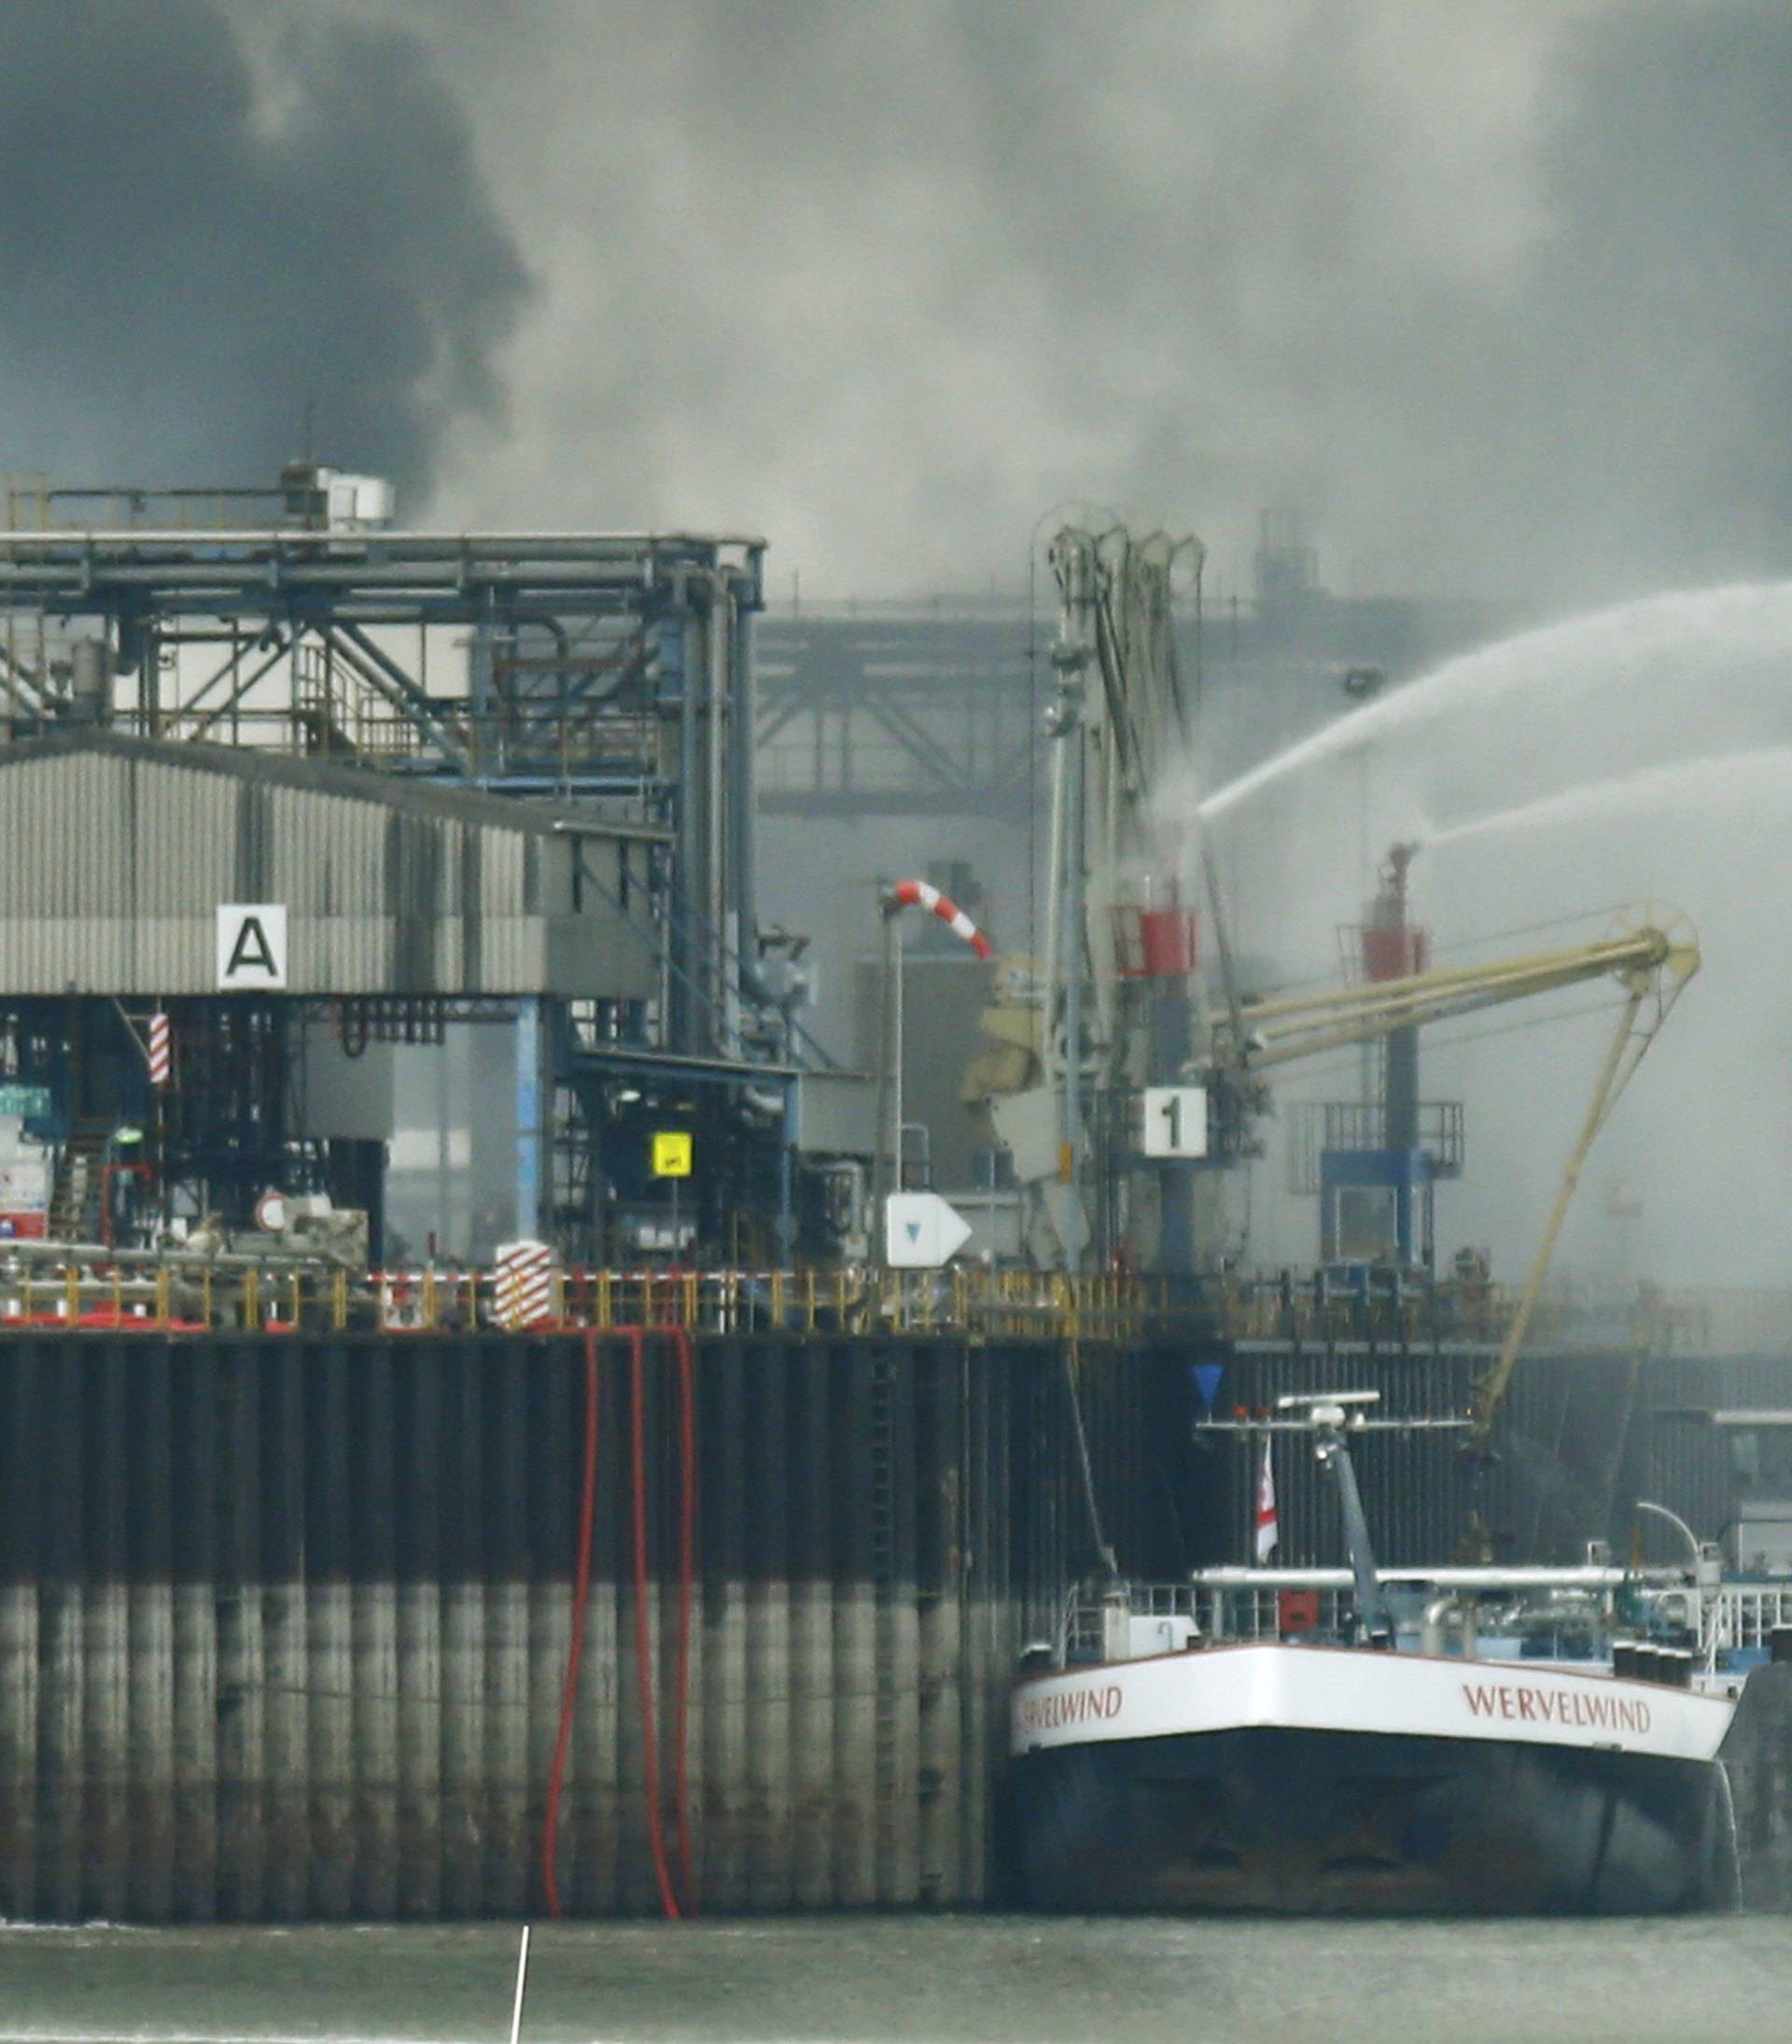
(285, 1624)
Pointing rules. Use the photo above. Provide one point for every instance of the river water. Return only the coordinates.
(982, 1978)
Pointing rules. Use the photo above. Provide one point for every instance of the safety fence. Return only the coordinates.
(1360, 1303)
(201, 1298)
(275, 1297)
(42, 1286)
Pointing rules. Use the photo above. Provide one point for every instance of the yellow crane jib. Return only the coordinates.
(1652, 947)
(1651, 952)
(1652, 989)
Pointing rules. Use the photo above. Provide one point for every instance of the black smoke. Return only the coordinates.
(193, 252)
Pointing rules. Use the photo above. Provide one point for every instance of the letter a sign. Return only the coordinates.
(251, 945)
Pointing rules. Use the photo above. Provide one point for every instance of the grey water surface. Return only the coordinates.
(976, 1978)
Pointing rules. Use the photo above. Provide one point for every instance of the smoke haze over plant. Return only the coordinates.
(1495, 295)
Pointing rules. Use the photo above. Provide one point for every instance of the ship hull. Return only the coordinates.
(1314, 1781)
(1319, 1823)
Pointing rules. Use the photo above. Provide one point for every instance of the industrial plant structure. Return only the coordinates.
(682, 1560)
(503, 781)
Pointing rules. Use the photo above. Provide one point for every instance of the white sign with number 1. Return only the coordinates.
(1175, 1121)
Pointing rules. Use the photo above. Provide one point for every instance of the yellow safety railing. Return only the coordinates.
(278, 1298)
(201, 1298)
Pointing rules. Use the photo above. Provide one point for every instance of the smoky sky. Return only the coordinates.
(1662, 294)
(192, 251)
(1494, 294)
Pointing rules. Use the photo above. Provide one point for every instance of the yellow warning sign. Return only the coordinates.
(671, 1153)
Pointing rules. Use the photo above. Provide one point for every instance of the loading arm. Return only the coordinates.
(1650, 995)
(1651, 961)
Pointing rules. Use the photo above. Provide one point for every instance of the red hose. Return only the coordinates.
(687, 1569)
(643, 1658)
(575, 1652)
(643, 1655)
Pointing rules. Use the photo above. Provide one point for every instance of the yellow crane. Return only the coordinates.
(1651, 952)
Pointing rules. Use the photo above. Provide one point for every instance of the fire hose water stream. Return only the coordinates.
(1637, 754)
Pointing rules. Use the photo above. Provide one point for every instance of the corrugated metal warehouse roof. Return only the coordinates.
(116, 853)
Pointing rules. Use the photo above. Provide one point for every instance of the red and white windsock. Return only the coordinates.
(1267, 1531)
(923, 894)
(160, 1050)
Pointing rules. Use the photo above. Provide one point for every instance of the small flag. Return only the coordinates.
(161, 1050)
(1267, 1532)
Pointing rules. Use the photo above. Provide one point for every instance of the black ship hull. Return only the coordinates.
(1339, 1822)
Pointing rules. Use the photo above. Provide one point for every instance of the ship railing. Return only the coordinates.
(1219, 1613)
(1240, 1604)
(1734, 1618)
(1085, 1628)
(1251, 1603)
(1273, 1612)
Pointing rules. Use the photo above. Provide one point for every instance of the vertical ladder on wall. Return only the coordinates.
(882, 1518)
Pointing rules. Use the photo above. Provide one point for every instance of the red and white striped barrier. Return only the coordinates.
(524, 1287)
(161, 1050)
(923, 894)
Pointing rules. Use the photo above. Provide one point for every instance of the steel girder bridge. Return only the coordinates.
(900, 711)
